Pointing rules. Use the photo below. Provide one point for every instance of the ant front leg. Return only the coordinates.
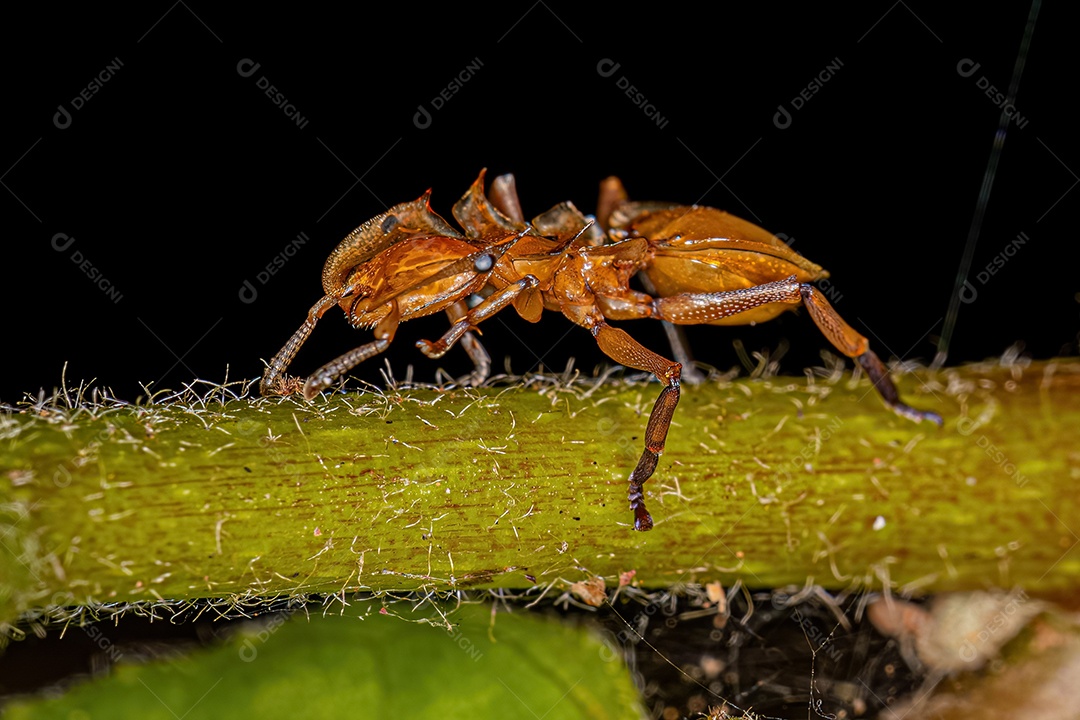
(325, 376)
(846, 340)
(274, 381)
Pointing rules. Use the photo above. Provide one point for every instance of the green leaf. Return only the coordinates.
(366, 664)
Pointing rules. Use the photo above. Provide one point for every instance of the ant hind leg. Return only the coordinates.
(846, 340)
(624, 350)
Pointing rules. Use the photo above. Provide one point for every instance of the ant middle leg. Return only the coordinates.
(473, 347)
(489, 306)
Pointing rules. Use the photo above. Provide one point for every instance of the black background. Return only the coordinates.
(180, 179)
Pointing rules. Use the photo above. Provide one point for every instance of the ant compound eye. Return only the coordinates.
(389, 224)
(484, 262)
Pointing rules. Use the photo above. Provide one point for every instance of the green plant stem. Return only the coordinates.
(771, 482)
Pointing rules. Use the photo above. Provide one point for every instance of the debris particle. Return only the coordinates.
(879, 522)
(957, 631)
(591, 592)
(715, 592)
